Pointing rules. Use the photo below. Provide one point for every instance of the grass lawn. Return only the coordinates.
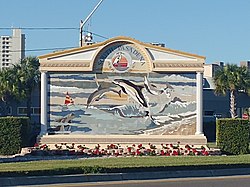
(122, 164)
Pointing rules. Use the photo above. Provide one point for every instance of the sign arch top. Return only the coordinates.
(121, 54)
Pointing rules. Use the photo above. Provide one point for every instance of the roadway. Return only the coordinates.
(218, 177)
(228, 181)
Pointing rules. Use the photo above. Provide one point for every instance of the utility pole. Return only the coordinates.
(82, 23)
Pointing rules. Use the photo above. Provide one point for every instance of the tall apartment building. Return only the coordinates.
(12, 49)
(245, 63)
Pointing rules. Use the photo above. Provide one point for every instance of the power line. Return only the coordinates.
(40, 28)
(43, 49)
(51, 28)
(98, 35)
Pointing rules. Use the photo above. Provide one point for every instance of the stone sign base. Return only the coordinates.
(91, 140)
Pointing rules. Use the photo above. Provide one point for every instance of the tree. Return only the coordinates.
(27, 79)
(9, 90)
(233, 79)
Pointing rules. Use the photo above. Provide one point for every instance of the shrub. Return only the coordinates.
(232, 135)
(14, 134)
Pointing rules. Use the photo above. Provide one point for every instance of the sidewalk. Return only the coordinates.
(23, 158)
(45, 180)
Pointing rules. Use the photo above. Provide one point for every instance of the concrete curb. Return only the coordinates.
(57, 179)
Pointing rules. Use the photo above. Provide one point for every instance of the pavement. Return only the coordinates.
(24, 158)
(118, 176)
(59, 179)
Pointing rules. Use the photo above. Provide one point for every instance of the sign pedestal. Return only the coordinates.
(104, 140)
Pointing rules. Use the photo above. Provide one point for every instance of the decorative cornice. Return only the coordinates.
(181, 65)
(64, 65)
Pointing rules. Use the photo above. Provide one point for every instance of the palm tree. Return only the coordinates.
(18, 82)
(27, 77)
(8, 88)
(234, 79)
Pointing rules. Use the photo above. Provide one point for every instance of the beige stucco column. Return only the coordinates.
(199, 103)
(44, 102)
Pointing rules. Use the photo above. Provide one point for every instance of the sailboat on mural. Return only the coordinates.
(68, 101)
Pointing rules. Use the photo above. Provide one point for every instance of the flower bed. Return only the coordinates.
(119, 150)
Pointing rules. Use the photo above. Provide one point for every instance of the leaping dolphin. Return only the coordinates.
(152, 89)
(134, 91)
(99, 93)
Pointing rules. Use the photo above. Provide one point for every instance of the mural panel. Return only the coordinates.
(123, 103)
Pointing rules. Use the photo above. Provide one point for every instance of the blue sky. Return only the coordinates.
(217, 29)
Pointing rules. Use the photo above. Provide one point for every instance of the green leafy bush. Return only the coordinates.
(232, 135)
(14, 134)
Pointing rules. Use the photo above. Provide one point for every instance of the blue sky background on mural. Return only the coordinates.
(216, 29)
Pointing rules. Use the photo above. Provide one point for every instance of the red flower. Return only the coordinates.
(96, 152)
(175, 153)
(194, 150)
(138, 152)
(162, 152)
(129, 149)
(206, 153)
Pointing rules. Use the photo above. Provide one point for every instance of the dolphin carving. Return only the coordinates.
(134, 91)
(152, 89)
(99, 93)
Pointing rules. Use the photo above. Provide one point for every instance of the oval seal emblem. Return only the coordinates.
(121, 61)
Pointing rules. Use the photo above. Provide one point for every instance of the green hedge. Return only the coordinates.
(14, 134)
(232, 135)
